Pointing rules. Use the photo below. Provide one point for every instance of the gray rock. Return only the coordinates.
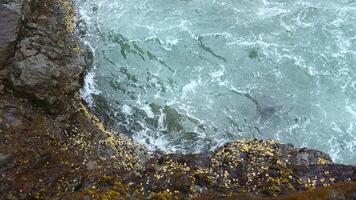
(3, 158)
(9, 29)
(2, 87)
(307, 157)
(15, 5)
(36, 75)
(12, 119)
(91, 165)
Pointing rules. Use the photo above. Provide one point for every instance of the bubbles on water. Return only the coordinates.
(188, 76)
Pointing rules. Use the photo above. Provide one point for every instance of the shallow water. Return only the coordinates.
(190, 75)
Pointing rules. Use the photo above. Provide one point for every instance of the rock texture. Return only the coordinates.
(51, 147)
(10, 24)
(46, 67)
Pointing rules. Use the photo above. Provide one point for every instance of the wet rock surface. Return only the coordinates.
(51, 147)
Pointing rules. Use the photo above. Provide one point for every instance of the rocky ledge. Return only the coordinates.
(51, 147)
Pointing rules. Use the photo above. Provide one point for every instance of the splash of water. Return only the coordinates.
(189, 75)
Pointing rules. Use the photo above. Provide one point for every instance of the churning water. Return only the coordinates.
(189, 75)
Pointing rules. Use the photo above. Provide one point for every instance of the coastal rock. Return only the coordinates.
(307, 156)
(3, 158)
(46, 67)
(67, 153)
(9, 30)
(37, 75)
(2, 87)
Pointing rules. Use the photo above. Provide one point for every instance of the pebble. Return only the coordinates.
(3, 158)
(91, 165)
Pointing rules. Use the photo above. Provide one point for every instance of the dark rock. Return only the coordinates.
(26, 49)
(3, 74)
(71, 155)
(12, 120)
(307, 156)
(3, 158)
(9, 29)
(14, 4)
(36, 75)
(2, 87)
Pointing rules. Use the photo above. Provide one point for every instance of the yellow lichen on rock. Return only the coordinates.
(69, 16)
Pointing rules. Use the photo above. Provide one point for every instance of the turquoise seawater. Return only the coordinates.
(187, 76)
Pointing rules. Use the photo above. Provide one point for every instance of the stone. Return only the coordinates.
(12, 119)
(35, 75)
(91, 165)
(2, 88)
(307, 156)
(9, 29)
(3, 159)
(3, 74)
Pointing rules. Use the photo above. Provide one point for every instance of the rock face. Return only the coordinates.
(46, 67)
(10, 24)
(266, 168)
(51, 147)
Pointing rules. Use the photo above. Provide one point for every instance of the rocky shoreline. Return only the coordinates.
(52, 147)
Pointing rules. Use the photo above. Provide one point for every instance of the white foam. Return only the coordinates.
(127, 109)
(148, 111)
(169, 43)
(334, 150)
(89, 88)
(189, 88)
(161, 125)
(351, 111)
(219, 73)
(153, 143)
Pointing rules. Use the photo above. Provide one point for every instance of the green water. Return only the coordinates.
(187, 76)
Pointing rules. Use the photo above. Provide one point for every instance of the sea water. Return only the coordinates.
(186, 76)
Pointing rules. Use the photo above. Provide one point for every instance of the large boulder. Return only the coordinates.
(47, 65)
(37, 74)
(9, 28)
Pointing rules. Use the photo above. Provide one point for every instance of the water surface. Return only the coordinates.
(187, 76)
